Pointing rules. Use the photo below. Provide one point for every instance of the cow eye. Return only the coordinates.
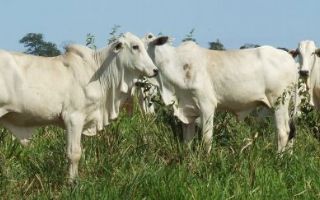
(149, 36)
(135, 47)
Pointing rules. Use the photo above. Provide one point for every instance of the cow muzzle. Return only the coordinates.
(304, 73)
(155, 73)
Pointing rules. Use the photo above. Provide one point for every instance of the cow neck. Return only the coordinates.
(168, 60)
(110, 79)
(172, 83)
(107, 70)
(315, 76)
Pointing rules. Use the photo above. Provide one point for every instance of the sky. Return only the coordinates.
(279, 23)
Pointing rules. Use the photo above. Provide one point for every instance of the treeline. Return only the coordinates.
(36, 44)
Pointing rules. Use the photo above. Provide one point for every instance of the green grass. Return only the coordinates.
(139, 157)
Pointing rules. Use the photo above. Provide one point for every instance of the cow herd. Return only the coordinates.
(83, 90)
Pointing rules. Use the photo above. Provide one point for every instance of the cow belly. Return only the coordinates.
(23, 133)
(242, 95)
(22, 125)
(236, 105)
(31, 119)
(35, 106)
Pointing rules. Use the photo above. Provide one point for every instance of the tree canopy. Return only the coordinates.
(35, 44)
(249, 45)
(217, 45)
(190, 36)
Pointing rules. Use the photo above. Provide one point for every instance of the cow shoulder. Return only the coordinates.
(193, 61)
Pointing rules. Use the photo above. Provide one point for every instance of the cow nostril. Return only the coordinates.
(304, 73)
(155, 71)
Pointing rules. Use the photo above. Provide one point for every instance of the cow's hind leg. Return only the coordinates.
(74, 126)
(22, 133)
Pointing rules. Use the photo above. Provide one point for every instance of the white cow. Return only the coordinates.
(308, 57)
(80, 91)
(200, 81)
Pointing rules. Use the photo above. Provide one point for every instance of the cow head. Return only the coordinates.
(149, 37)
(133, 56)
(307, 53)
(151, 41)
(161, 54)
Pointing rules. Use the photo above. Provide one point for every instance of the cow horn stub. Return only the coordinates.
(294, 53)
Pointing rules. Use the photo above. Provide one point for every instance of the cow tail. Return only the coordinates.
(292, 133)
(296, 102)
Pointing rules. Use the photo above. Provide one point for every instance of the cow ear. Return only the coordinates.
(117, 47)
(294, 53)
(160, 40)
(317, 52)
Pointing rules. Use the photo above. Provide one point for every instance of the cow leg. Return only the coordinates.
(74, 129)
(189, 131)
(292, 134)
(207, 129)
(22, 133)
(282, 124)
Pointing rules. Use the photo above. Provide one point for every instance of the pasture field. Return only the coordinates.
(139, 157)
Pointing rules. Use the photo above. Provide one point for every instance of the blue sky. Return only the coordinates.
(235, 22)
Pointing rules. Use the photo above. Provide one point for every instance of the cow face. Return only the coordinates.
(133, 56)
(307, 53)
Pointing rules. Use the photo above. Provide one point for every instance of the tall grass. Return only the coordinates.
(141, 157)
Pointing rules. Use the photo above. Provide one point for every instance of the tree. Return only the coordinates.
(114, 35)
(37, 46)
(217, 45)
(189, 36)
(90, 41)
(249, 46)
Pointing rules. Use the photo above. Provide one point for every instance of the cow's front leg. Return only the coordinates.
(189, 131)
(207, 129)
(74, 125)
(282, 123)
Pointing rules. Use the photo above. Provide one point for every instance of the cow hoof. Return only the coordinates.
(73, 182)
